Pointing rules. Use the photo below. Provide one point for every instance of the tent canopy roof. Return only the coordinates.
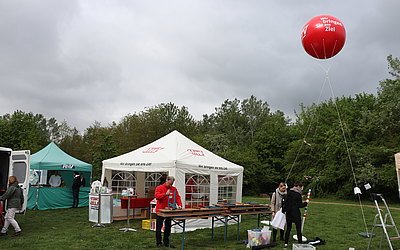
(52, 157)
(172, 150)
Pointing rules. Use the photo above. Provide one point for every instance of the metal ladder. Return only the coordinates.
(382, 216)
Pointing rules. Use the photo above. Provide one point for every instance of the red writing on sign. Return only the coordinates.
(94, 201)
(196, 152)
(152, 150)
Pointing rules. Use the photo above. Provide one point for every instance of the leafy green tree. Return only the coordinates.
(255, 175)
(99, 146)
(165, 118)
(53, 129)
(240, 121)
(255, 113)
(129, 134)
(21, 131)
(388, 103)
(271, 145)
(71, 142)
(334, 133)
(231, 132)
(229, 121)
(136, 130)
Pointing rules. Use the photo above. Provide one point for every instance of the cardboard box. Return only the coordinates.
(145, 213)
(151, 191)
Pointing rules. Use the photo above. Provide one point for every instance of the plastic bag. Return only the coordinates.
(279, 220)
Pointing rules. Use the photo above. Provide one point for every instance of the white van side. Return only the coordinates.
(15, 163)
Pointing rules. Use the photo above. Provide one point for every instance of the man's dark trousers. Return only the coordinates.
(167, 230)
(75, 197)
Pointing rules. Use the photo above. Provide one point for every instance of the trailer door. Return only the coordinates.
(5, 155)
(19, 167)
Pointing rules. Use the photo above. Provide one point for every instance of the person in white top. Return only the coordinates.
(55, 180)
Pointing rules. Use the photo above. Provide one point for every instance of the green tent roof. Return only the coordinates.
(52, 157)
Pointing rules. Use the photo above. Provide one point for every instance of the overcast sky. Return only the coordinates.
(86, 61)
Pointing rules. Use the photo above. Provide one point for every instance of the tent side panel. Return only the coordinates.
(397, 160)
(239, 188)
(213, 188)
(53, 198)
(179, 183)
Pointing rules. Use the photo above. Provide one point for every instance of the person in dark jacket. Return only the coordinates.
(291, 208)
(14, 197)
(76, 184)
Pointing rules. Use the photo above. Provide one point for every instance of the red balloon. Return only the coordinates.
(323, 36)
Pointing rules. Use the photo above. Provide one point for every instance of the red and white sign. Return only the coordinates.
(94, 203)
(152, 150)
(196, 152)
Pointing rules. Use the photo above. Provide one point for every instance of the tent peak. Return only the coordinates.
(172, 150)
(52, 155)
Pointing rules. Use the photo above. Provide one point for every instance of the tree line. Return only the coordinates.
(320, 147)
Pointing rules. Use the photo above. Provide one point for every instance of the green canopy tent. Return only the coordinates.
(52, 159)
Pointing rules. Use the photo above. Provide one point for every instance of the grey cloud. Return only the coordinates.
(83, 61)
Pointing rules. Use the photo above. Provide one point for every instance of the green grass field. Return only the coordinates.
(339, 225)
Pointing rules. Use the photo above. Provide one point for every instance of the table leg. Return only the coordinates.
(226, 227)
(127, 229)
(127, 211)
(238, 228)
(183, 235)
(212, 228)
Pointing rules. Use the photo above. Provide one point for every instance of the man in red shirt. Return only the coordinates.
(167, 197)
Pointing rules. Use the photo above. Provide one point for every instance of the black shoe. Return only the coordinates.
(17, 234)
(169, 245)
(159, 245)
(3, 234)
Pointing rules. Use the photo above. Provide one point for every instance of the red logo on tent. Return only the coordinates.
(152, 150)
(196, 152)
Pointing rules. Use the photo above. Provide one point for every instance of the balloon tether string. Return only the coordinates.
(346, 144)
(307, 131)
(327, 80)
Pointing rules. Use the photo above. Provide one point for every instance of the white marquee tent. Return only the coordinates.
(201, 177)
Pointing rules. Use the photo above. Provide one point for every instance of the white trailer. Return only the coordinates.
(14, 163)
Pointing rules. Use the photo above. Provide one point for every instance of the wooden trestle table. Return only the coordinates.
(223, 212)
